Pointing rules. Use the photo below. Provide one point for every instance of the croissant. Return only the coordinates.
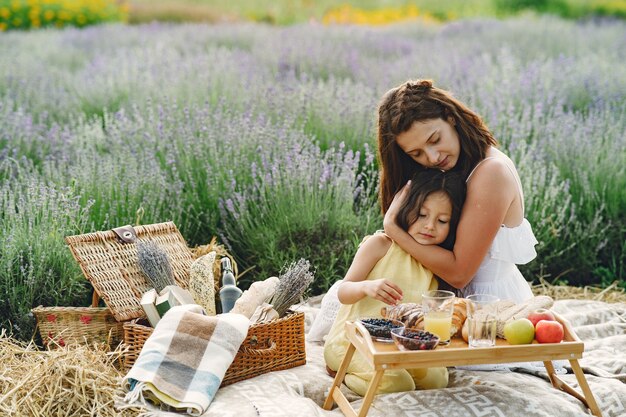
(459, 314)
(411, 314)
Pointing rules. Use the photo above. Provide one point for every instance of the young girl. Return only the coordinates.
(382, 273)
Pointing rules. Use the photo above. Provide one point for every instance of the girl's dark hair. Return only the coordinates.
(424, 184)
(416, 101)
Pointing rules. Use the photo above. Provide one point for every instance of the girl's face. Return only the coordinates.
(432, 143)
(433, 222)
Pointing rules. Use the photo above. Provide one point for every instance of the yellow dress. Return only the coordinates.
(398, 266)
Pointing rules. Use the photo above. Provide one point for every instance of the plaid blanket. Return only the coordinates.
(182, 364)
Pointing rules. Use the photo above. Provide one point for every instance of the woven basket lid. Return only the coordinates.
(112, 268)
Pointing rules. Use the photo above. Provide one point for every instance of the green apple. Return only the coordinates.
(519, 331)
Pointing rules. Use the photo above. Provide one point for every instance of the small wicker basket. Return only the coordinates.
(66, 325)
(272, 346)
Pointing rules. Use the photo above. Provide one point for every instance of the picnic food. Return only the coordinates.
(519, 331)
(548, 331)
(458, 315)
(380, 328)
(540, 314)
(258, 293)
(508, 310)
(413, 339)
(201, 282)
(412, 315)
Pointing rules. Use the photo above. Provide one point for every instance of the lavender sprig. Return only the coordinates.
(293, 283)
(155, 265)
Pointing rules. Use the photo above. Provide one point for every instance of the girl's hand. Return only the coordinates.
(383, 290)
(390, 216)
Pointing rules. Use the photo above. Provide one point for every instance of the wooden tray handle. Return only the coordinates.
(568, 331)
(357, 328)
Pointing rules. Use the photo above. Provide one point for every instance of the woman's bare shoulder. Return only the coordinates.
(495, 171)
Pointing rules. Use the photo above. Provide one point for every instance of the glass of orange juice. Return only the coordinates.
(438, 307)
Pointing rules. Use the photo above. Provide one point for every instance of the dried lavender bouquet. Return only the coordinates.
(155, 265)
(292, 285)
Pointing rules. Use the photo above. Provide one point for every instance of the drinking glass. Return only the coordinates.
(438, 307)
(482, 316)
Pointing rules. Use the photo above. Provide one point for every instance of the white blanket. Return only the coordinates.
(524, 392)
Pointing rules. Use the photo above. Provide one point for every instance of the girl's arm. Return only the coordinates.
(489, 196)
(355, 286)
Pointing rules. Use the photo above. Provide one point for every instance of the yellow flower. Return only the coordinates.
(64, 15)
(35, 23)
(16, 4)
(34, 13)
(48, 15)
(81, 19)
(5, 13)
(17, 22)
(3, 26)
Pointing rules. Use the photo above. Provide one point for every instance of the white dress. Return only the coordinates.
(498, 274)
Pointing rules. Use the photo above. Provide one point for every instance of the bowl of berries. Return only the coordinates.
(380, 329)
(413, 339)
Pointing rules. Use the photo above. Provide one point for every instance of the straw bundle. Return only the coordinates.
(611, 294)
(74, 380)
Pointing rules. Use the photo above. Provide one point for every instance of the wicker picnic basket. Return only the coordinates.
(110, 264)
(272, 346)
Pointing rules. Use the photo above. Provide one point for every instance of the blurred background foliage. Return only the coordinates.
(32, 14)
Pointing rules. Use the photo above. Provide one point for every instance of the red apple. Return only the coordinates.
(541, 314)
(548, 331)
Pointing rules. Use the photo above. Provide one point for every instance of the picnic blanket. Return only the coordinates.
(185, 359)
(301, 391)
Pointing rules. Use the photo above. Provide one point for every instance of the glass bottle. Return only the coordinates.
(229, 293)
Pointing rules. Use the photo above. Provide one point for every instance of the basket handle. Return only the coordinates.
(269, 350)
(95, 299)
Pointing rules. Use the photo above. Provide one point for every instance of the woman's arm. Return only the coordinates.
(489, 196)
(355, 286)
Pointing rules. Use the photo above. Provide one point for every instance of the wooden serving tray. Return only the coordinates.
(383, 356)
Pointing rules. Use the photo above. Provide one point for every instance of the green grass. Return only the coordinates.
(286, 12)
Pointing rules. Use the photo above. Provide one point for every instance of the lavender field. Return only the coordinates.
(265, 137)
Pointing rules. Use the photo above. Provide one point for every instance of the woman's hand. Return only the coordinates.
(383, 290)
(389, 222)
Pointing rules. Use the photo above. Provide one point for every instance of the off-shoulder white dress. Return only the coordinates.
(498, 274)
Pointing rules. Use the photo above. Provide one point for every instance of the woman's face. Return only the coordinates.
(432, 143)
(433, 221)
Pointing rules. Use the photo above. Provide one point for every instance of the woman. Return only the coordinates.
(422, 127)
